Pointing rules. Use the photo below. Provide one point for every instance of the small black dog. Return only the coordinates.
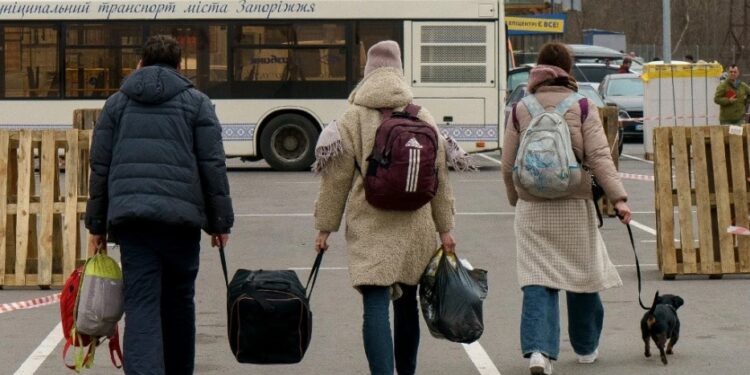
(660, 323)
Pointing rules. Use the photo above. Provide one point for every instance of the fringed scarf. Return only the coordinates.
(457, 158)
(329, 146)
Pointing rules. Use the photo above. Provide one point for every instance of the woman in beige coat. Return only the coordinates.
(557, 240)
(388, 250)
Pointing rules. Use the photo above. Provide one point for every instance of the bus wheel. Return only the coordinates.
(288, 143)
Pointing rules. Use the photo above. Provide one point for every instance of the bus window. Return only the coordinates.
(290, 60)
(30, 62)
(98, 57)
(369, 33)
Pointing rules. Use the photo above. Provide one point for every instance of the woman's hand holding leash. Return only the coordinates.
(622, 210)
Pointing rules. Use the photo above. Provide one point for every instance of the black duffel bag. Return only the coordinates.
(268, 313)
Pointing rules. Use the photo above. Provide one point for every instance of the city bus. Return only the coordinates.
(277, 71)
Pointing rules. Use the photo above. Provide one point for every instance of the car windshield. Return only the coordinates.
(592, 73)
(591, 93)
(625, 87)
(517, 78)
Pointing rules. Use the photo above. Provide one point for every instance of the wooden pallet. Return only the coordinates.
(702, 169)
(611, 124)
(41, 232)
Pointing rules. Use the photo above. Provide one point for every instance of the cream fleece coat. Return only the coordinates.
(589, 145)
(384, 247)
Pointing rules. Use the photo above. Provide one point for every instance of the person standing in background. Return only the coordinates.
(732, 98)
(625, 66)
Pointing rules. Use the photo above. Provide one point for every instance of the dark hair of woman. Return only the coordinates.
(556, 54)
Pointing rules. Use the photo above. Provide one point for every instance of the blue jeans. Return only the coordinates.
(376, 330)
(540, 321)
(159, 265)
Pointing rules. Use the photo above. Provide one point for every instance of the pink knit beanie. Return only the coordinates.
(385, 54)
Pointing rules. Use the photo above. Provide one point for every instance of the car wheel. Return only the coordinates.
(288, 142)
(620, 141)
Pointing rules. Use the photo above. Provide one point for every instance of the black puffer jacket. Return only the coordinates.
(157, 156)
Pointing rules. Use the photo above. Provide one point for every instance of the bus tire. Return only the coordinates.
(288, 142)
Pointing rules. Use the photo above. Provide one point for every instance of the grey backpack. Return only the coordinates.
(545, 165)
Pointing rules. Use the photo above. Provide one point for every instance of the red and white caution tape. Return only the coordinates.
(30, 304)
(630, 119)
(740, 231)
(638, 177)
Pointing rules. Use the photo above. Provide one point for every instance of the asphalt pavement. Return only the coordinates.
(274, 230)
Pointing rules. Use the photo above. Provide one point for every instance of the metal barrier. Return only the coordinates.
(703, 169)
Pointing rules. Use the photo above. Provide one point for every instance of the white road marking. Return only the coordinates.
(490, 159)
(480, 358)
(637, 158)
(274, 215)
(633, 265)
(642, 227)
(37, 357)
(480, 213)
(488, 213)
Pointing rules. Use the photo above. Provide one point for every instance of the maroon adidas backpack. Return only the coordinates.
(401, 171)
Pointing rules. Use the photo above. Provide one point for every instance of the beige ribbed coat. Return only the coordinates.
(384, 247)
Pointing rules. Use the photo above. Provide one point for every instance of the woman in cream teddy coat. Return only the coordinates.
(388, 250)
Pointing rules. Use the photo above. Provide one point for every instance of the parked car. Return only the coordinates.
(593, 73)
(590, 73)
(584, 89)
(519, 75)
(626, 91)
(584, 53)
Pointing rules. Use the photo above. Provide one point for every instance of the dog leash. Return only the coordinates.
(637, 264)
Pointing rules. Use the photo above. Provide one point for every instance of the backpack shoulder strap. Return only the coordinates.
(412, 109)
(386, 112)
(564, 105)
(532, 104)
(584, 104)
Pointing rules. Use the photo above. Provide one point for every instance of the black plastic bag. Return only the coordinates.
(451, 298)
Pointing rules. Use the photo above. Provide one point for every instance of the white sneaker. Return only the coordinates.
(588, 358)
(539, 364)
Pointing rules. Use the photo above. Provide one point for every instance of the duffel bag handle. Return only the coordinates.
(310, 279)
(224, 264)
(313, 274)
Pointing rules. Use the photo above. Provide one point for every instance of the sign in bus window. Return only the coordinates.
(324, 64)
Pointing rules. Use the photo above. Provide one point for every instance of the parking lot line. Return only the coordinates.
(481, 359)
(636, 158)
(490, 158)
(37, 357)
(486, 213)
(642, 227)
